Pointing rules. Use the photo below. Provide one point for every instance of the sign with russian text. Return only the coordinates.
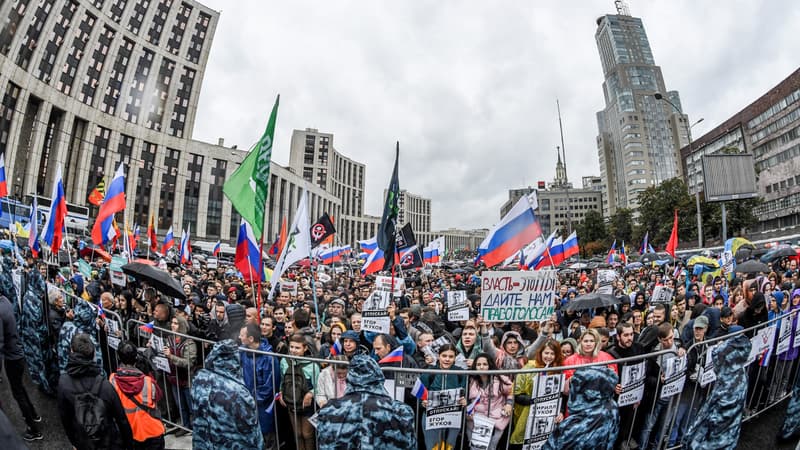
(632, 382)
(674, 372)
(457, 306)
(544, 410)
(518, 296)
(662, 294)
(443, 410)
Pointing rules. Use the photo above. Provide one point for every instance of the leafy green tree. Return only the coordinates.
(593, 227)
(656, 207)
(620, 226)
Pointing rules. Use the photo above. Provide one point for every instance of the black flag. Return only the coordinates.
(387, 228)
(321, 229)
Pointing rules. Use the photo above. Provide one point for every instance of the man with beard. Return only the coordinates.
(625, 348)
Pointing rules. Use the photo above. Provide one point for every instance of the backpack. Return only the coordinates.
(294, 387)
(90, 413)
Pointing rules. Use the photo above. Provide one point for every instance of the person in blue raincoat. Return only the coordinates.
(718, 423)
(35, 332)
(261, 374)
(593, 421)
(223, 410)
(366, 418)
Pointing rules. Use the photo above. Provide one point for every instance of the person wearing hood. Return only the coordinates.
(181, 352)
(718, 423)
(82, 376)
(77, 285)
(260, 373)
(139, 395)
(83, 321)
(593, 422)
(223, 409)
(366, 417)
(35, 332)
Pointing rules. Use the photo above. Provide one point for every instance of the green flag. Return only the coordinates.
(248, 187)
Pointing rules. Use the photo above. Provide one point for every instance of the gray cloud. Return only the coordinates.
(469, 88)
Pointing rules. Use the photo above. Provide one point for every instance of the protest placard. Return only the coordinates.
(518, 296)
(605, 281)
(443, 410)
(674, 371)
(796, 333)
(761, 343)
(544, 410)
(383, 283)
(374, 315)
(457, 306)
(784, 336)
(118, 277)
(632, 384)
(662, 294)
(289, 286)
(212, 262)
(482, 430)
(161, 364)
(157, 344)
(707, 374)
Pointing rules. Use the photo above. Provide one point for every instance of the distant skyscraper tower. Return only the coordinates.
(639, 137)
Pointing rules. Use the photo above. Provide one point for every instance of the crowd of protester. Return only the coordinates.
(239, 370)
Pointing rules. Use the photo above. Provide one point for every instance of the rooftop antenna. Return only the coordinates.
(622, 8)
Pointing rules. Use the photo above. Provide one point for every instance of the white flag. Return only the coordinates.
(298, 242)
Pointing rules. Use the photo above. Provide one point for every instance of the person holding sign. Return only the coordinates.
(442, 438)
(548, 356)
(493, 398)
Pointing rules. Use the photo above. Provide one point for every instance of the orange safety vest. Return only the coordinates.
(143, 425)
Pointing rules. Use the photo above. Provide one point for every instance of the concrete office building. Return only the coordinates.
(639, 136)
(769, 128)
(560, 205)
(89, 84)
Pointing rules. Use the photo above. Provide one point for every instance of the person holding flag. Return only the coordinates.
(491, 396)
(55, 226)
(33, 233)
(169, 241)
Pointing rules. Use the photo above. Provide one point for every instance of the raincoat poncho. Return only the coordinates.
(35, 334)
(366, 417)
(593, 422)
(719, 420)
(84, 322)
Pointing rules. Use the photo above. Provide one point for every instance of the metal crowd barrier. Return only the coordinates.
(769, 383)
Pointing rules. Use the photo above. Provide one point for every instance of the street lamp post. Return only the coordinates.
(658, 96)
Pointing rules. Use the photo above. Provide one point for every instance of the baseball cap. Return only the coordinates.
(701, 322)
(337, 301)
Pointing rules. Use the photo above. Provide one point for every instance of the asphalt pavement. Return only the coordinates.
(757, 434)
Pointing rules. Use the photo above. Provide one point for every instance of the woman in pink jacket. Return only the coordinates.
(495, 399)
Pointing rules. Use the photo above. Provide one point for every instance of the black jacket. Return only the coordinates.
(80, 378)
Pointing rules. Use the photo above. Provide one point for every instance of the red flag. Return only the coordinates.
(282, 238)
(98, 193)
(672, 244)
(328, 240)
(151, 235)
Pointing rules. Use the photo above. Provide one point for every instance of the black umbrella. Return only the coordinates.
(752, 266)
(648, 258)
(591, 301)
(778, 253)
(157, 278)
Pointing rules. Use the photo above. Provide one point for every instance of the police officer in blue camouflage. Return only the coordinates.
(223, 410)
(719, 421)
(83, 322)
(366, 418)
(593, 421)
(35, 332)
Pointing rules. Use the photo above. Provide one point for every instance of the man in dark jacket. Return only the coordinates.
(14, 359)
(366, 417)
(83, 376)
(261, 373)
(223, 410)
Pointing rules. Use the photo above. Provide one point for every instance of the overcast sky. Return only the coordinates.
(469, 88)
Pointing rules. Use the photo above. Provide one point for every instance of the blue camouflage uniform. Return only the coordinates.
(7, 288)
(223, 410)
(261, 373)
(365, 417)
(719, 420)
(791, 422)
(593, 420)
(35, 333)
(84, 322)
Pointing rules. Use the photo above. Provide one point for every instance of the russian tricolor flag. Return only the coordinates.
(217, 248)
(336, 348)
(516, 230)
(571, 246)
(537, 253)
(473, 404)
(643, 248)
(557, 252)
(395, 356)
(419, 390)
(612, 252)
(147, 328)
(3, 183)
(169, 241)
(114, 202)
(186, 247)
(374, 262)
(56, 221)
(248, 256)
(33, 236)
(368, 246)
(330, 255)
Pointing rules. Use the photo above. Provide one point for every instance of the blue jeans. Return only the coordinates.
(653, 425)
(183, 398)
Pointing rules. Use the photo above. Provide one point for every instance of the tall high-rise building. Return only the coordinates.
(639, 136)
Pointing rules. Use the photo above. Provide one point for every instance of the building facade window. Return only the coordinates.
(191, 192)
(159, 100)
(57, 36)
(134, 105)
(64, 83)
(198, 38)
(31, 41)
(178, 28)
(93, 72)
(169, 178)
(159, 19)
(215, 196)
(114, 88)
(182, 99)
(13, 23)
(137, 16)
(144, 184)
